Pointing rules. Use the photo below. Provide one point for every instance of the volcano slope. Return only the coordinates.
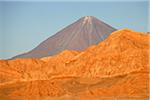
(117, 68)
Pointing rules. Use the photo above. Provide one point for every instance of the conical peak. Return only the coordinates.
(87, 19)
(79, 35)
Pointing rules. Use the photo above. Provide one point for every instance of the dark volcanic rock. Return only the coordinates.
(77, 36)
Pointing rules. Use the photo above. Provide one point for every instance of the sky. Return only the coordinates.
(25, 24)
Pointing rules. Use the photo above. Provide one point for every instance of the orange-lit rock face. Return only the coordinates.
(123, 52)
(117, 67)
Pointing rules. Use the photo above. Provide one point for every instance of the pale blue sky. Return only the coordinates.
(23, 25)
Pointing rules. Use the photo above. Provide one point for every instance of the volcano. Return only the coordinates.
(81, 34)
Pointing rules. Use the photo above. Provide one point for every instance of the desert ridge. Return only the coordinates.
(122, 52)
(103, 70)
